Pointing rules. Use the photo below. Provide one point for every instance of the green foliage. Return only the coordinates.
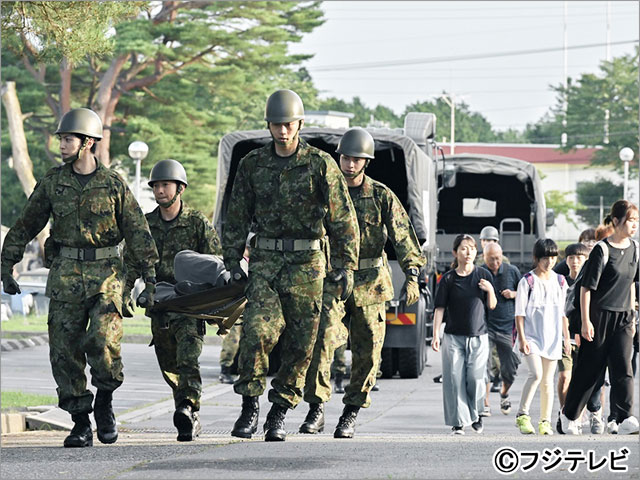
(50, 31)
(379, 116)
(614, 88)
(470, 126)
(189, 72)
(589, 194)
(18, 400)
(561, 205)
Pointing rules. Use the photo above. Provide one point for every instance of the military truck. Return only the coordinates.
(401, 162)
(476, 190)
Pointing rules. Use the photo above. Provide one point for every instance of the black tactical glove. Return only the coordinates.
(9, 284)
(346, 277)
(145, 299)
(238, 274)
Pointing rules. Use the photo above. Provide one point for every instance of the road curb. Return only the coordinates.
(10, 344)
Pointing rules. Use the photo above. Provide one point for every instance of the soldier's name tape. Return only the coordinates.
(90, 254)
(285, 244)
(365, 263)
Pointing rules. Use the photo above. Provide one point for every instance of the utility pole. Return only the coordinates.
(565, 106)
(607, 113)
(450, 99)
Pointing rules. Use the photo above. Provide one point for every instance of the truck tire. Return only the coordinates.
(411, 361)
(389, 363)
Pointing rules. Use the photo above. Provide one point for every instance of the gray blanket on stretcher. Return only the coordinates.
(197, 268)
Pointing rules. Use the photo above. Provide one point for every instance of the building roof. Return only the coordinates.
(533, 153)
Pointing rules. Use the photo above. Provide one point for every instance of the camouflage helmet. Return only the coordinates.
(168, 170)
(489, 233)
(358, 143)
(284, 106)
(81, 121)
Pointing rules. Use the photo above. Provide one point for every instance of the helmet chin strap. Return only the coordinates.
(292, 138)
(76, 156)
(173, 200)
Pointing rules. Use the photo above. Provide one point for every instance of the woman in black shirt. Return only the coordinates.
(465, 292)
(607, 299)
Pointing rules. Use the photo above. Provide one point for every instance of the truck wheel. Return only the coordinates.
(389, 363)
(411, 361)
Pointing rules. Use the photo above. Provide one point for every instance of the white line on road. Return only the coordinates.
(167, 406)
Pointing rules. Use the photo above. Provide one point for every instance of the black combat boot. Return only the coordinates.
(225, 375)
(247, 423)
(347, 423)
(105, 419)
(338, 388)
(314, 423)
(183, 421)
(274, 426)
(81, 434)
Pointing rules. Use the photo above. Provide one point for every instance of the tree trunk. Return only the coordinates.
(21, 160)
(65, 87)
(105, 107)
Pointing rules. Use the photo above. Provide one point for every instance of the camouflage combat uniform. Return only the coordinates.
(288, 198)
(177, 338)
(85, 321)
(230, 344)
(380, 215)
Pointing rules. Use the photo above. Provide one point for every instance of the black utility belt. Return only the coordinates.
(286, 244)
(90, 254)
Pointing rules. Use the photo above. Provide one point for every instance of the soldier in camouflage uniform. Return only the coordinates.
(93, 211)
(230, 344)
(380, 216)
(290, 191)
(177, 338)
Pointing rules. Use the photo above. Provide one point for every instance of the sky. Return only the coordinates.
(396, 53)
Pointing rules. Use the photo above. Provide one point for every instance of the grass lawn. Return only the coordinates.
(138, 325)
(17, 400)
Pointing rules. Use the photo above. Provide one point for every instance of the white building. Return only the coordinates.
(327, 118)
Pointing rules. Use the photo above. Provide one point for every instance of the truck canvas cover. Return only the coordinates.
(399, 163)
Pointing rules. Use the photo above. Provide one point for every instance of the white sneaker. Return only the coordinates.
(629, 426)
(612, 427)
(596, 423)
(569, 427)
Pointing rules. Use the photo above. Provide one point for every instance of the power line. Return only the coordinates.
(418, 61)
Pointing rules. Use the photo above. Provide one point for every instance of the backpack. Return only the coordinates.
(529, 278)
(572, 302)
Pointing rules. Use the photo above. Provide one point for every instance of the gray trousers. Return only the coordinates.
(464, 363)
(509, 360)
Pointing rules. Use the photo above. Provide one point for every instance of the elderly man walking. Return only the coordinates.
(500, 321)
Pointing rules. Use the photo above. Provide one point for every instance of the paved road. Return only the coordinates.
(402, 434)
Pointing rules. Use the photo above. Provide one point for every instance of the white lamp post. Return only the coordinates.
(138, 151)
(626, 155)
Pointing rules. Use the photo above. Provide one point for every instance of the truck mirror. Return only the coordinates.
(551, 217)
(449, 176)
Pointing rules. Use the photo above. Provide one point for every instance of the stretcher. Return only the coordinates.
(221, 306)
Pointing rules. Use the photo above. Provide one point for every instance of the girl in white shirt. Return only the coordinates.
(541, 325)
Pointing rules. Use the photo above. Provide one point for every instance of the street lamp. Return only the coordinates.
(626, 155)
(138, 151)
